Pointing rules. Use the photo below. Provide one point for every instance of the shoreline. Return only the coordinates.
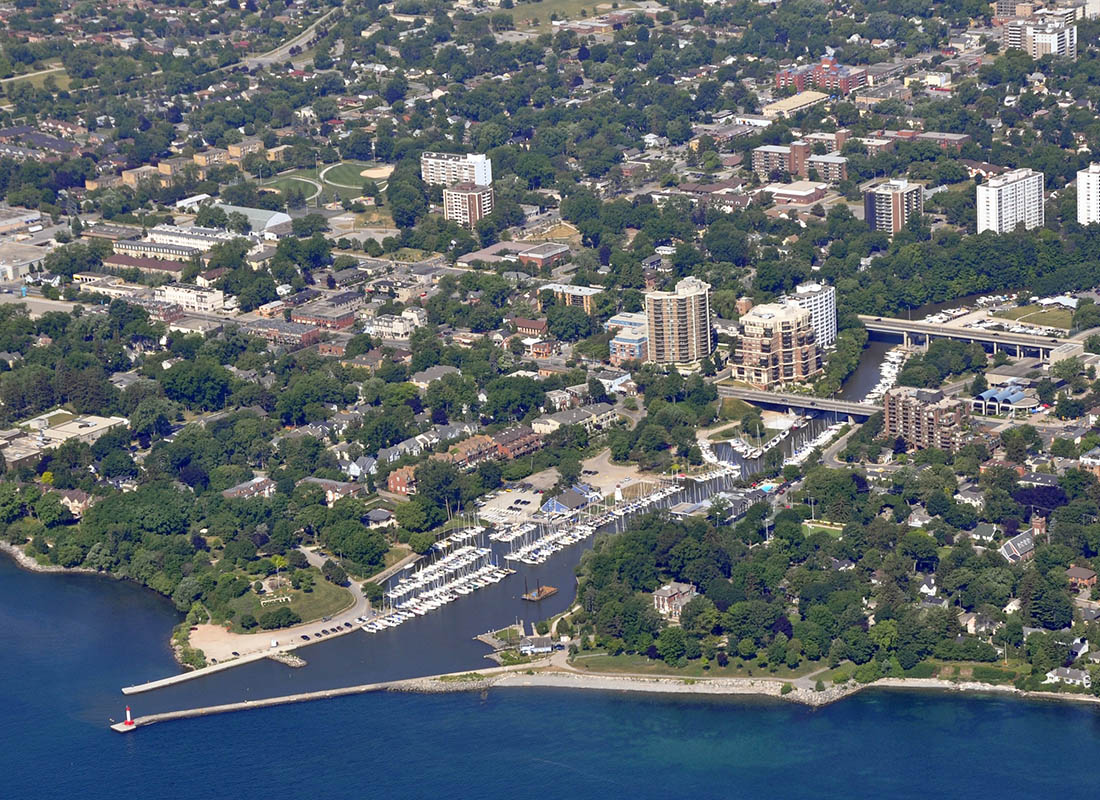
(761, 687)
(514, 678)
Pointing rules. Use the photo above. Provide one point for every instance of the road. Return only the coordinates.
(281, 54)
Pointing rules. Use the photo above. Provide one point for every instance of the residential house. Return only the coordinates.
(1080, 577)
(671, 598)
(402, 480)
(516, 442)
(76, 500)
(334, 490)
(379, 518)
(1069, 676)
(257, 487)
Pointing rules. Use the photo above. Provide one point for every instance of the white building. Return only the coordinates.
(444, 169)
(820, 300)
(396, 327)
(1007, 200)
(191, 298)
(194, 236)
(1088, 195)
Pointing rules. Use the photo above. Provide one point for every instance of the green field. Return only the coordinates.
(347, 174)
(325, 600)
(61, 79)
(1053, 317)
(541, 12)
(284, 182)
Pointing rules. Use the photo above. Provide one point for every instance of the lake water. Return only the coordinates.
(71, 641)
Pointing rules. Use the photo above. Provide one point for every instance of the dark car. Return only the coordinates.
(235, 653)
(305, 638)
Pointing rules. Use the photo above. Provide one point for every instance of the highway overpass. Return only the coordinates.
(1020, 344)
(803, 402)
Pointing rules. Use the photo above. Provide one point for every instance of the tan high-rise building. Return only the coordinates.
(888, 206)
(466, 203)
(778, 346)
(680, 328)
(924, 418)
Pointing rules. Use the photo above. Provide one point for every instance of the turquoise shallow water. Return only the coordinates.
(71, 642)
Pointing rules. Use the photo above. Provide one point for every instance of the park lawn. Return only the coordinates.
(347, 173)
(639, 664)
(283, 182)
(733, 408)
(61, 80)
(1037, 315)
(325, 600)
(540, 13)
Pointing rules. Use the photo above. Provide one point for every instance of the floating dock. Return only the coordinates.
(540, 593)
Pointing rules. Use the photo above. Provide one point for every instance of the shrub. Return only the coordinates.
(787, 689)
(993, 675)
(334, 573)
(281, 617)
(819, 686)
(248, 621)
(921, 670)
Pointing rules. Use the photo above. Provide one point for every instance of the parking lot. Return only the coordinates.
(516, 505)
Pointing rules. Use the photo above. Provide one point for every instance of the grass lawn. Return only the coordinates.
(325, 600)
(59, 418)
(60, 77)
(374, 217)
(732, 408)
(540, 13)
(283, 182)
(1053, 317)
(724, 434)
(346, 173)
(640, 665)
(809, 529)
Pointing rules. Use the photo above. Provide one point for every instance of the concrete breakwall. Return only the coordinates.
(461, 682)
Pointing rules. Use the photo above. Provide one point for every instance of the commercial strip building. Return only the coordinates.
(680, 325)
(324, 314)
(290, 334)
(790, 106)
(820, 300)
(777, 346)
(1011, 199)
(17, 260)
(446, 169)
(466, 203)
(888, 206)
(925, 418)
(191, 298)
